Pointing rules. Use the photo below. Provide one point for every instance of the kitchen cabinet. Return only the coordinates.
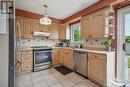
(62, 31)
(25, 58)
(56, 56)
(54, 31)
(86, 27)
(67, 58)
(26, 27)
(93, 25)
(97, 68)
(37, 27)
(98, 24)
(43, 28)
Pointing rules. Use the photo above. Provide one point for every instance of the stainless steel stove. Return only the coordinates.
(41, 57)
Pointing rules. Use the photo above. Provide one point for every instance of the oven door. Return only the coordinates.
(42, 58)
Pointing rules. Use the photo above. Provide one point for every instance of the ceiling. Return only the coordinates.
(59, 9)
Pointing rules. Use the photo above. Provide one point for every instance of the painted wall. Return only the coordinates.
(3, 60)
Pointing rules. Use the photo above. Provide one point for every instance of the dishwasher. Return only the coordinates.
(81, 62)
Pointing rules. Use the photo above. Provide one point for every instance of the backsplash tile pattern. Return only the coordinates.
(94, 43)
(38, 42)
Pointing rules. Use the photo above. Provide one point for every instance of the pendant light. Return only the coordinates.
(45, 20)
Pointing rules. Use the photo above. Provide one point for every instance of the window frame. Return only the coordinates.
(71, 31)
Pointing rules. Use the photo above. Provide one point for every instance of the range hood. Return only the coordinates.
(41, 34)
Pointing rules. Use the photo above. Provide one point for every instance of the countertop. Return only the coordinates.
(86, 50)
(70, 48)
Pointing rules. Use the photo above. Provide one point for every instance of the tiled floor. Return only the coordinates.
(52, 78)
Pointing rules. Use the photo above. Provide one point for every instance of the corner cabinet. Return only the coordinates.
(93, 25)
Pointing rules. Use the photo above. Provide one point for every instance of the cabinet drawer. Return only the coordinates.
(26, 52)
(97, 56)
(26, 66)
(27, 58)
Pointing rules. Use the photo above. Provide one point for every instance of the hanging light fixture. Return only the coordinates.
(45, 20)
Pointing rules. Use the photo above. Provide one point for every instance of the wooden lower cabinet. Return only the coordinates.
(67, 58)
(56, 56)
(26, 61)
(97, 68)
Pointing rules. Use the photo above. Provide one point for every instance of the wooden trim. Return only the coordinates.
(23, 13)
(93, 8)
(122, 5)
(117, 7)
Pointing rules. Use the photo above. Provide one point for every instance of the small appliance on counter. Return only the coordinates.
(63, 44)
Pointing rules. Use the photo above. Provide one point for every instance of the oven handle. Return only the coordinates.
(42, 51)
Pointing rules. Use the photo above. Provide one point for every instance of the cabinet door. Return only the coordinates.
(28, 28)
(43, 28)
(54, 31)
(55, 56)
(63, 54)
(62, 31)
(36, 26)
(100, 71)
(86, 27)
(69, 59)
(97, 69)
(20, 21)
(98, 24)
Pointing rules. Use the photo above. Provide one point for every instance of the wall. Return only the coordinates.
(39, 41)
(3, 60)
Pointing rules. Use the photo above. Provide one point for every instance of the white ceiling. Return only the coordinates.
(59, 9)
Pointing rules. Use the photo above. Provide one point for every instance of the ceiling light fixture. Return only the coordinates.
(45, 20)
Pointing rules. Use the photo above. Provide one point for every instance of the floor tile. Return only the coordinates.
(52, 78)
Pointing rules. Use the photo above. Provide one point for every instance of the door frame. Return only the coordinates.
(122, 72)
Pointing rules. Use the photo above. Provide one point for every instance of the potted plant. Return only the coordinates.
(108, 44)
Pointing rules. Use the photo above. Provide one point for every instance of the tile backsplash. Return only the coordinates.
(38, 42)
(94, 43)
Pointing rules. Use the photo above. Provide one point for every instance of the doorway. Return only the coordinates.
(123, 45)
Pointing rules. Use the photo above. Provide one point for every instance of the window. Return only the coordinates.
(75, 32)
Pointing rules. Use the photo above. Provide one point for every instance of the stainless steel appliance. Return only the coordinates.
(81, 62)
(41, 57)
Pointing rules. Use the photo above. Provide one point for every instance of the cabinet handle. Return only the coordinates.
(95, 56)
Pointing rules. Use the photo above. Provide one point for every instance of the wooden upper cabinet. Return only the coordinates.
(98, 24)
(54, 31)
(26, 27)
(36, 26)
(20, 21)
(39, 27)
(93, 25)
(86, 27)
(62, 31)
(43, 28)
